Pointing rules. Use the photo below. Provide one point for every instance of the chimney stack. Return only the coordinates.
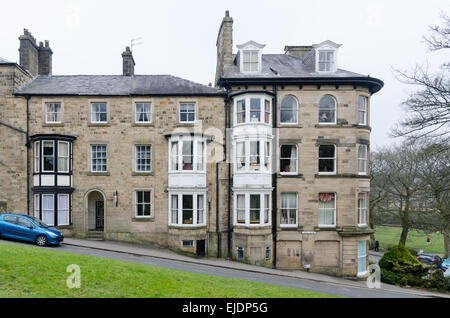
(28, 53)
(298, 50)
(45, 59)
(224, 44)
(128, 62)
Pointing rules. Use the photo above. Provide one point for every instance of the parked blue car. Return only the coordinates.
(445, 264)
(28, 228)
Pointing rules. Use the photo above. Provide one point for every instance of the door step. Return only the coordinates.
(95, 236)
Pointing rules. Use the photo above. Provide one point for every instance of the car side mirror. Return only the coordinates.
(30, 227)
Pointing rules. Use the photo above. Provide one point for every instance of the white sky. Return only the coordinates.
(179, 37)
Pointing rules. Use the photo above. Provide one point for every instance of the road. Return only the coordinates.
(304, 284)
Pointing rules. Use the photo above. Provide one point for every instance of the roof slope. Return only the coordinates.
(114, 85)
(3, 61)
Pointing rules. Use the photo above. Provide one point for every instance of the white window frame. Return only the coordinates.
(37, 205)
(327, 62)
(92, 157)
(362, 257)
(287, 225)
(55, 114)
(363, 111)
(195, 156)
(150, 113)
(263, 209)
(296, 160)
(195, 208)
(363, 159)
(37, 156)
(67, 209)
(262, 109)
(136, 203)
(251, 53)
(43, 156)
(53, 209)
(94, 113)
(328, 158)
(362, 209)
(335, 111)
(187, 113)
(136, 158)
(64, 157)
(265, 162)
(295, 110)
(334, 216)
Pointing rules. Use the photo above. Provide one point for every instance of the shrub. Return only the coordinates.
(389, 277)
(436, 280)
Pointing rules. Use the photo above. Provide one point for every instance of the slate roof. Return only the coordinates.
(3, 61)
(114, 85)
(283, 65)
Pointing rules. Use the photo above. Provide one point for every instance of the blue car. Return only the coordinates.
(28, 228)
(445, 264)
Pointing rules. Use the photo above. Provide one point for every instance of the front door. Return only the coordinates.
(201, 248)
(99, 214)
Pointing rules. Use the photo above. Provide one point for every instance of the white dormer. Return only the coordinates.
(326, 56)
(250, 57)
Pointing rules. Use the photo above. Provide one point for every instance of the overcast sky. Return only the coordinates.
(179, 37)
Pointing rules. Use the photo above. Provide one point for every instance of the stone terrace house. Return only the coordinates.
(270, 167)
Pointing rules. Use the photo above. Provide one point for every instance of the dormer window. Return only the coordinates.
(326, 56)
(250, 57)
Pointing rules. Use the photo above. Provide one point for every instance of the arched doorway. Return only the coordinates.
(95, 210)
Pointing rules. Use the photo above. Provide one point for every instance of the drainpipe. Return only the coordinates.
(274, 181)
(228, 114)
(28, 153)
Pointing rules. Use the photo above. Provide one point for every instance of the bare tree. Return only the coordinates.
(428, 108)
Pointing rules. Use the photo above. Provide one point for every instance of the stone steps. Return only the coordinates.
(95, 236)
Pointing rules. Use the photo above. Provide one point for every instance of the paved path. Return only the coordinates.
(151, 255)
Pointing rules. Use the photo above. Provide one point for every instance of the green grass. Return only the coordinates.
(27, 271)
(389, 236)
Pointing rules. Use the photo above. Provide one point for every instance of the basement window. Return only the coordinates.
(189, 243)
(240, 252)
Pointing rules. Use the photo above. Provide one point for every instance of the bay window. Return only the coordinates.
(37, 156)
(289, 210)
(187, 154)
(252, 109)
(255, 156)
(362, 255)
(48, 209)
(48, 152)
(63, 156)
(362, 110)
(362, 209)
(187, 209)
(63, 209)
(362, 159)
(252, 209)
(327, 210)
(252, 155)
(53, 209)
(327, 159)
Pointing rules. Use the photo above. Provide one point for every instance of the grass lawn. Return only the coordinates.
(389, 236)
(27, 271)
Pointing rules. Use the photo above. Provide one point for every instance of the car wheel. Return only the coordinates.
(41, 240)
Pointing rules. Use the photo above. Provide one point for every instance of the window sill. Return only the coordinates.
(99, 125)
(53, 125)
(142, 125)
(290, 228)
(135, 173)
(98, 173)
(297, 175)
(187, 227)
(189, 124)
(325, 228)
(143, 219)
(283, 125)
(333, 125)
(343, 175)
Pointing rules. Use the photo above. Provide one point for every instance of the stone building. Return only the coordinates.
(269, 167)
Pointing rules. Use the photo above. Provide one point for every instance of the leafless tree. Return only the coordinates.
(428, 107)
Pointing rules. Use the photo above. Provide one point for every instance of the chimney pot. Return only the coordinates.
(41, 44)
(47, 43)
(227, 14)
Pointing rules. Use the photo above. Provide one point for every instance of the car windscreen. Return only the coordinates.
(39, 222)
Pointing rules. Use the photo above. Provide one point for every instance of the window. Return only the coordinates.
(24, 222)
(37, 156)
(48, 209)
(174, 156)
(187, 209)
(53, 113)
(327, 209)
(326, 61)
(267, 253)
(48, 162)
(252, 109)
(362, 159)
(143, 112)
(255, 110)
(252, 209)
(240, 111)
(288, 159)
(240, 209)
(187, 154)
(63, 209)
(187, 112)
(250, 61)
(255, 159)
(143, 158)
(362, 110)
(200, 155)
(98, 113)
(143, 200)
(289, 110)
(327, 110)
(327, 159)
(362, 255)
(37, 206)
(267, 156)
(187, 243)
(362, 208)
(289, 209)
(240, 156)
(98, 158)
(63, 156)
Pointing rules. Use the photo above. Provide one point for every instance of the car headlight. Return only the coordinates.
(51, 233)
